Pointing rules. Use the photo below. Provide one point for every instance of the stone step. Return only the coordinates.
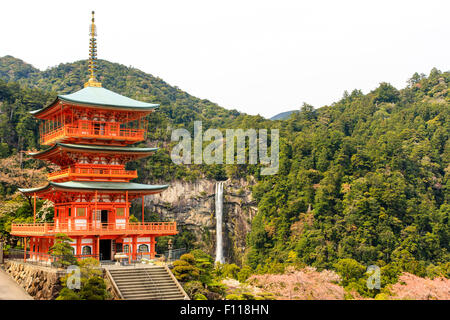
(155, 297)
(142, 276)
(153, 283)
(147, 287)
(136, 269)
(138, 294)
(133, 280)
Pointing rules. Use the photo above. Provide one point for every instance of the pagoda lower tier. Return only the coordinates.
(95, 215)
(101, 247)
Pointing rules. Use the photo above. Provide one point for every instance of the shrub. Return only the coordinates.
(67, 294)
(350, 270)
(189, 258)
(94, 289)
(63, 250)
(194, 287)
(184, 271)
(245, 272)
(230, 271)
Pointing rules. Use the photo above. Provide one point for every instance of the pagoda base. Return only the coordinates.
(102, 248)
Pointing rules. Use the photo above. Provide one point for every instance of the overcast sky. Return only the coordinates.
(258, 56)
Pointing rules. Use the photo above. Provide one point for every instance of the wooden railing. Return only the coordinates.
(94, 173)
(93, 130)
(95, 228)
(42, 258)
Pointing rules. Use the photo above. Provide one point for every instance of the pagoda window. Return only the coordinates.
(87, 250)
(126, 248)
(81, 212)
(143, 248)
(113, 129)
(84, 159)
(120, 212)
(69, 212)
(84, 125)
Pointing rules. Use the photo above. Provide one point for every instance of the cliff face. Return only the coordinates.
(192, 206)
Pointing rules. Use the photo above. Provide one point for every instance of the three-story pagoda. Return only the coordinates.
(90, 133)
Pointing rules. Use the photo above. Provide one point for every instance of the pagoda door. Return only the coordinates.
(104, 218)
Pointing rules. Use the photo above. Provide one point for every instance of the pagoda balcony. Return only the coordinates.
(89, 172)
(92, 131)
(96, 228)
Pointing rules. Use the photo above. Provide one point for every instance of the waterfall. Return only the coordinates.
(219, 215)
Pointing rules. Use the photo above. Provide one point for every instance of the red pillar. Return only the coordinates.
(34, 209)
(127, 209)
(152, 247)
(78, 246)
(134, 248)
(97, 250)
(24, 249)
(142, 209)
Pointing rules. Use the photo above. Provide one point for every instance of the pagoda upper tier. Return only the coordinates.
(94, 115)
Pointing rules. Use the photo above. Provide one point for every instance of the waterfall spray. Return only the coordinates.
(219, 215)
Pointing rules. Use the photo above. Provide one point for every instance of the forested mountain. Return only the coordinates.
(365, 180)
(283, 115)
(177, 106)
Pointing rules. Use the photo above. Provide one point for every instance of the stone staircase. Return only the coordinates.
(146, 283)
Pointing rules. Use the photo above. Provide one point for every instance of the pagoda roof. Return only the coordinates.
(91, 147)
(101, 97)
(99, 186)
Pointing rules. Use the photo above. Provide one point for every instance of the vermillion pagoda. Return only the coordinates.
(89, 133)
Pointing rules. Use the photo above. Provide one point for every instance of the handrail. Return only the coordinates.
(94, 227)
(153, 283)
(113, 283)
(104, 172)
(99, 129)
(186, 296)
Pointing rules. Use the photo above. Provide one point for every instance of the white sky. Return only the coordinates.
(258, 56)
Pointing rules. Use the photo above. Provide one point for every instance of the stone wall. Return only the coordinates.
(42, 283)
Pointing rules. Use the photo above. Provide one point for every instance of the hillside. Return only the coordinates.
(28, 88)
(364, 181)
(177, 106)
(283, 115)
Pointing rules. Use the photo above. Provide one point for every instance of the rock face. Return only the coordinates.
(192, 206)
(41, 283)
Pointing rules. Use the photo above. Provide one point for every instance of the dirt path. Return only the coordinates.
(10, 290)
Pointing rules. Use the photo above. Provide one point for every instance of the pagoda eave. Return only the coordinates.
(98, 98)
(56, 150)
(132, 188)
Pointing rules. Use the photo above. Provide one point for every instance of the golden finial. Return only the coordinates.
(92, 82)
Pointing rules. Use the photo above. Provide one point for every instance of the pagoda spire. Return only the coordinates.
(92, 82)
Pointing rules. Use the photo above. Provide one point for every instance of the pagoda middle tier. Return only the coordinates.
(80, 162)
